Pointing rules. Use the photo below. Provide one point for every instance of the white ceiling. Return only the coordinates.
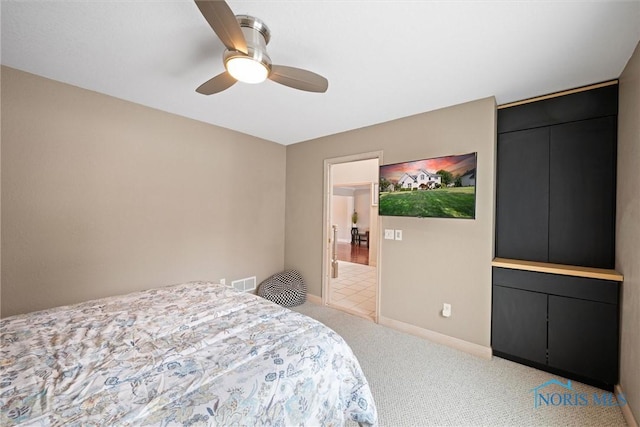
(383, 59)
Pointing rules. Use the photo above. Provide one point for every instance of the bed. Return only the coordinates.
(191, 354)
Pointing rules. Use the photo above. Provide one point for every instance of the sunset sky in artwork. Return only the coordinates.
(455, 164)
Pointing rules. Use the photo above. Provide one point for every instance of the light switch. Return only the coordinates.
(398, 234)
(388, 234)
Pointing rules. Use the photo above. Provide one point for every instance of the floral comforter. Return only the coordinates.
(193, 354)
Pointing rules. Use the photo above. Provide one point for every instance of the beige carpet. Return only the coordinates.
(419, 383)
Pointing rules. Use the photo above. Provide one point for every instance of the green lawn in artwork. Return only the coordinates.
(454, 202)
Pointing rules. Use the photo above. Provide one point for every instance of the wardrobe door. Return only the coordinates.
(523, 195)
(582, 193)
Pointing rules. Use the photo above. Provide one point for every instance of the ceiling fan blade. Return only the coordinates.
(221, 18)
(217, 84)
(298, 78)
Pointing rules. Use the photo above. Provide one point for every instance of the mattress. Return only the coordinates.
(191, 354)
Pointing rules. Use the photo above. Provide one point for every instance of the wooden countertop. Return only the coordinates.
(567, 270)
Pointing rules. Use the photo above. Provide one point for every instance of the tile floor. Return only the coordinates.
(355, 289)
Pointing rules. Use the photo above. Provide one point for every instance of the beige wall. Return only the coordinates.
(358, 172)
(628, 229)
(439, 260)
(341, 210)
(102, 196)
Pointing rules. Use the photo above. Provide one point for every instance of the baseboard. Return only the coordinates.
(626, 409)
(350, 311)
(314, 299)
(466, 346)
(458, 344)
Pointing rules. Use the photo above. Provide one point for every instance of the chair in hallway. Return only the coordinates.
(363, 238)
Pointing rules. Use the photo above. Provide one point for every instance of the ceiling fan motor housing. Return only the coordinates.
(257, 36)
(256, 26)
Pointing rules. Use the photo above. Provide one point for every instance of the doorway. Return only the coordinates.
(351, 230)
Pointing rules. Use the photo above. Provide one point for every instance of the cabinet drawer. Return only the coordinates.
(605, 291)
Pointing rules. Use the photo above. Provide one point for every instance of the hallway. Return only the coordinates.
(353, 253)
(354, 290)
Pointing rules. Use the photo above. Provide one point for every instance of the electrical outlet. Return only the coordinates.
(223, 281)
(388, 234)
(398, 234)
(446, 310)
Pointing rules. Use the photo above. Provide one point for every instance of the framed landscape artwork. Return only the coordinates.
(439, 187)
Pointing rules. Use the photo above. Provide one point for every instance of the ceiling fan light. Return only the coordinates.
(247, 69)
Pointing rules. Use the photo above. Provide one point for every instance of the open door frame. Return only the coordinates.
(327, 230)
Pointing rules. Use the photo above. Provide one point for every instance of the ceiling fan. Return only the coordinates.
(246, 59)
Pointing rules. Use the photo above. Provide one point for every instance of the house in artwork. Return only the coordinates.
(422, 180)
(469, 179)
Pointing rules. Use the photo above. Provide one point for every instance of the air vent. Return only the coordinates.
(245, 285)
